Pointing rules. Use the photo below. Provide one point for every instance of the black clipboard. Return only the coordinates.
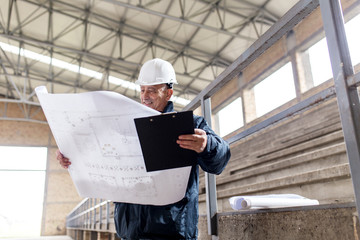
(158, 135)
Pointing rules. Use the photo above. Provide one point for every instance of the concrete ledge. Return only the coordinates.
(335, 221)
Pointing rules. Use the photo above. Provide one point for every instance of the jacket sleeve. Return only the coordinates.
(217, 152)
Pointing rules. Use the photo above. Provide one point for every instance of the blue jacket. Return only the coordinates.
(178, 220)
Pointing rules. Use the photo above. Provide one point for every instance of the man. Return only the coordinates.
(178, 220)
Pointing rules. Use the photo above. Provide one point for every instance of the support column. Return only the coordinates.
(303, 80)
(248, 105)
(210, 180)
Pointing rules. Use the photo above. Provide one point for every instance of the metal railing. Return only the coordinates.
(91, 213)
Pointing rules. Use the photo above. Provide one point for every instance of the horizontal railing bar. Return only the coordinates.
(70, 218)
(78, 206)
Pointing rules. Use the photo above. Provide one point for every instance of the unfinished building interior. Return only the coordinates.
(222, 51)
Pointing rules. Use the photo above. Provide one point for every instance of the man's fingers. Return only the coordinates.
(196, 141)
(198, 134)
(64, 161)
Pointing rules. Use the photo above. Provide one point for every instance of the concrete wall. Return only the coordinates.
(60, 195)
(316, 223)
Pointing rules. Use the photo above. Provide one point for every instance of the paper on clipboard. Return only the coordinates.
(158, 135)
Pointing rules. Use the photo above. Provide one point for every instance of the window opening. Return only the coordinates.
(352, 36)
(22, 183)
(230, 117)
(275, 90)
(320, 62)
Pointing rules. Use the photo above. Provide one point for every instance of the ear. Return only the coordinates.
(169, 94)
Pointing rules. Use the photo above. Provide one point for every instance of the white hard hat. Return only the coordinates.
(156, 71)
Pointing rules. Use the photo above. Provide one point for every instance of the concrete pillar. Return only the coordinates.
(305, 76)
(300, 63)
(248, 104)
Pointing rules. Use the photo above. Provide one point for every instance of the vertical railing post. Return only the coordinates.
(90, 217)
(83, 218)
(347, 97)
(100, 214)
(94, 224)
(87, 214)
(107, 215)
(210, 180)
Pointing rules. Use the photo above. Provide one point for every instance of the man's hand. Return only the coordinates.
(64, 161)
(196, 141)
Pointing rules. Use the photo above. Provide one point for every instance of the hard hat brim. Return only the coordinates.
(152, 83)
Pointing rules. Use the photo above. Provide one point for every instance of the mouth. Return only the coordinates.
(147, 102)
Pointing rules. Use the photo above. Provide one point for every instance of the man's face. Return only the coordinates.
(155, 96)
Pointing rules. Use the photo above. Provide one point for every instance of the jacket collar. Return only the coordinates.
(169, 107)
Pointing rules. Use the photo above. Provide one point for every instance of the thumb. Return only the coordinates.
(199, 131)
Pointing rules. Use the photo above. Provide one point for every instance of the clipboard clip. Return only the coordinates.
(168, 113)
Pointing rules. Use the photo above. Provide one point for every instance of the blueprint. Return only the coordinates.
(96, 131)
(270, 201)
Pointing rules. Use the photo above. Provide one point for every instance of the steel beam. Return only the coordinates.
(133, 28)
(177, 19)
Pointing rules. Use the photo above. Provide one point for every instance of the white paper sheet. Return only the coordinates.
(96, 131)
(270, 201)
